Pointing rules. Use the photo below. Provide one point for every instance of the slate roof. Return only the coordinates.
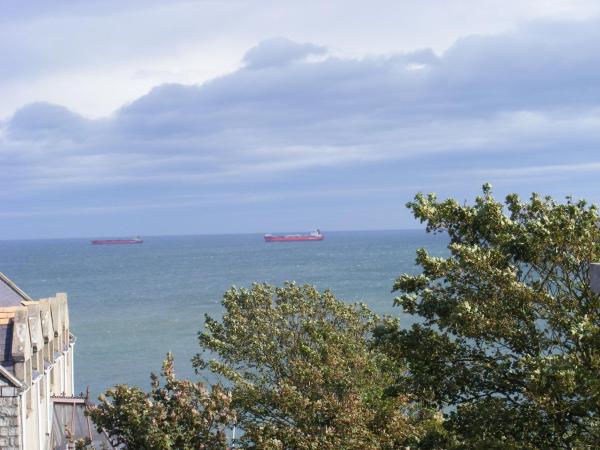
(10, 294)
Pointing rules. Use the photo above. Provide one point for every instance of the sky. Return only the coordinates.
(122, 118)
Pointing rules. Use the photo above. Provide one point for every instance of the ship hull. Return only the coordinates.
(117, 241)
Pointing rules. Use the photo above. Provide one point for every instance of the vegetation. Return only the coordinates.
(178, 414)
(509, 343)
(505, 354)
(304, 373)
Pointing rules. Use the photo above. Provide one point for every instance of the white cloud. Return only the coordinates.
(88, 55)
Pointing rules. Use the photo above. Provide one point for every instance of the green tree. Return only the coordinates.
(304, 373)
(178, 415)
(508, 345)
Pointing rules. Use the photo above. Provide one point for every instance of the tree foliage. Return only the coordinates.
(304, 372)
(177, 415)
(509, 341)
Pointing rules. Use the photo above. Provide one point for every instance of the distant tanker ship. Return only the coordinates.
(315, 235)
(135, 240)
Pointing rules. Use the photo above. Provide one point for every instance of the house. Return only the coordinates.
(36, 374)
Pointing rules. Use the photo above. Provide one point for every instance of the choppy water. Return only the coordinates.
(132, 304)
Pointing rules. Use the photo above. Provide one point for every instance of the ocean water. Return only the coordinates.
(131, 304)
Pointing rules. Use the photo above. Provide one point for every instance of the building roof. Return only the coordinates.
(40, 319)
(10, 294)
(11, 299)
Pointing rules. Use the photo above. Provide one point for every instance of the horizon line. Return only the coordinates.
(124, 235)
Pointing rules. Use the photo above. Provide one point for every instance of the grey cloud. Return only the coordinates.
(41, 121)
(279, 51)
(541, 65)
(544, 67)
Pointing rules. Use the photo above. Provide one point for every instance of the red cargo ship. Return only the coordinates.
(135, 240)
(313, 236)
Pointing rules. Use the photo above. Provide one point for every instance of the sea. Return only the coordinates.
(131, 304)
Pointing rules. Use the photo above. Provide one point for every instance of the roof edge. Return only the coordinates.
(15, 288)
(10, 377)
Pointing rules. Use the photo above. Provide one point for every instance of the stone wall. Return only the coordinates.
(10, 418)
